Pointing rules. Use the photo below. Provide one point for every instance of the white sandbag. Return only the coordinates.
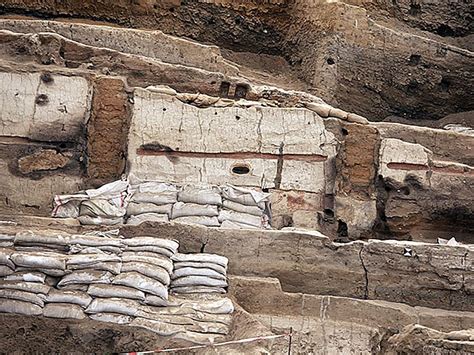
(202, 196)
(213, 266)
(201, 257)
(181, 209)
(157, 198)
(134, 208)
(33, 287)
(228, 215)
(151, 249)
(238, 207)
(81, 249)
(221, 305)
(5, 271)
(100, 221)
(112, 267)
(170, 244)
(154, 187)
(202, 220)
(199, 338)
(197, 289)
(31, 238)
(147, 217)
(6, 237)
(143, 283)
(26, 276)
(69, 209)
(164, 329)
(156, 301)
(20, 307)
(198, 281)
(101, 208)
(64, 296)
(245, 196)
(237, 225)
(63, 311)
(95, 241)
(75, 287)
(107, 291)
(39, 260)
(6, 244)
(157, 260)
(5, 258)
(111, 318)
(149, 270)
(49, 272)
(111, 191)
(21, 296)
(86, 277)
(105, 262)
(91, 259)
(191, 271)
(114, 305)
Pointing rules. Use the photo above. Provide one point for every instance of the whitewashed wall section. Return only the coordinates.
(173, 141)
(43, 107)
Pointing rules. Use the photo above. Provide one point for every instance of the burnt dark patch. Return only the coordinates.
(42, 100)
(156, 147)
(47, 78)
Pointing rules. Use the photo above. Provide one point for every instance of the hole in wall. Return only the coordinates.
(224, 89)
(328, 213)
(414, 59)
(445, 31)
(342, 230)
(344, 131)
(237, 118)
(164, 109)
(444, 84)
(415, 9)
(241, 91)
(330, 61)
(241, 169)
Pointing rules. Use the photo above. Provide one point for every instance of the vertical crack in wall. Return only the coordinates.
(366, 276)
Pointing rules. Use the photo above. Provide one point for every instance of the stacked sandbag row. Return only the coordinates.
(198, 205)
(103, 206)
(151, 201)
(212, 206)
(108, 279)
(93, 266)
(199, 273)
(244, 208)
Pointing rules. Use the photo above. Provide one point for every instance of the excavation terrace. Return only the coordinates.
(236, 177)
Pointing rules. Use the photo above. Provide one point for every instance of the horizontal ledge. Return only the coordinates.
(449, 170)
(237, 155)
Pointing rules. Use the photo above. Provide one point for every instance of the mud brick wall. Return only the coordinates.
(107, 130)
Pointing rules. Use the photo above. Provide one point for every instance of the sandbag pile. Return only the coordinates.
(103, 206)
(151, 201)
(105, 277)
(244, 208)
(199, 273)
(212, 206)
(198, 205)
